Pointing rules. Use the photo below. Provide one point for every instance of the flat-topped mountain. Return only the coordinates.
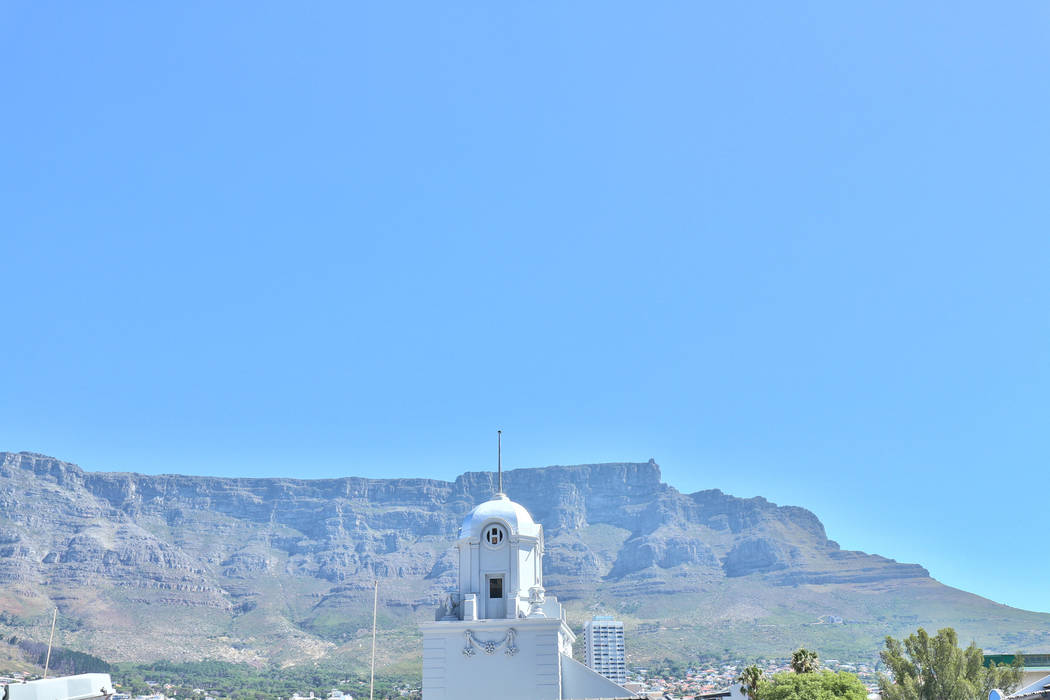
(183, 567)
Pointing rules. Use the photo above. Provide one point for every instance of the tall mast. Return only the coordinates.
(51, 639)
(375, 609)
(499, 458)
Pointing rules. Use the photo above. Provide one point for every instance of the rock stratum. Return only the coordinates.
(281, 570)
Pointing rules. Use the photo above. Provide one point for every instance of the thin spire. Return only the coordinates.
(499, 458)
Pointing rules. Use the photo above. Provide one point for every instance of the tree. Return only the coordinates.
(749, 678)
(804, 661)
(812, 686)
(935, 668)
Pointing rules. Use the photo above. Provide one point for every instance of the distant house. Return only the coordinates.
(735, 692)
(1038, 690)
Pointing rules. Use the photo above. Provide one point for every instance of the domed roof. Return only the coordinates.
(499, 508)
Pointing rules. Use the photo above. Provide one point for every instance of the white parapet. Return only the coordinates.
(82, 687)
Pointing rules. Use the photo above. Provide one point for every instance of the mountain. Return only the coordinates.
(281, 570)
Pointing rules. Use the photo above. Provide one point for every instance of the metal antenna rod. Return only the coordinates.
(499, 457)
(47, 662)
(375, 609)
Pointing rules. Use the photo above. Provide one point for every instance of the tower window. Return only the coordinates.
(494, 534)
(495, 588)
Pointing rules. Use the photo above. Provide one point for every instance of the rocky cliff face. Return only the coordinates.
(281, 569)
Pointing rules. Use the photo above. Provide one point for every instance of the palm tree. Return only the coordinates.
(804, 660)
(749, 679)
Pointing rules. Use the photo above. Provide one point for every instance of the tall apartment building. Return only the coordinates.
(603, 644)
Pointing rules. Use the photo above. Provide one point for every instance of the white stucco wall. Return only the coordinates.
(533, 673)
(81, 687)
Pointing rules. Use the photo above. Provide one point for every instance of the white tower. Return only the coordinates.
(604, 649)
(499, 635)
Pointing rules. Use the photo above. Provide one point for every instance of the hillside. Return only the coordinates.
(260, 570)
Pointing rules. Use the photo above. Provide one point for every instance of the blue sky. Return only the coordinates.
(797, 250)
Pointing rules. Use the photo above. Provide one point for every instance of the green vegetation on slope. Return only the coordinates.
(63, 662)
(243, 682)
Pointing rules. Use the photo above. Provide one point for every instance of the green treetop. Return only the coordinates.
(749, 678)
(804, 661)
(935, 668)
(824, 685)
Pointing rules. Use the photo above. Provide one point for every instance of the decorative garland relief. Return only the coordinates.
(490, 647)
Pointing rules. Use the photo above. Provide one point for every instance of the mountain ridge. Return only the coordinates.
(266, 569)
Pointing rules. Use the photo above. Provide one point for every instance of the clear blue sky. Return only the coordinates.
(798, 250)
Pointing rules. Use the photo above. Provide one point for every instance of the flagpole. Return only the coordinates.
(51, 639)
(499, 458)
(375, 609)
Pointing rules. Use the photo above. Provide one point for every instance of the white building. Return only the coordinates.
(603, 648)
(86, 686)
(499, 635)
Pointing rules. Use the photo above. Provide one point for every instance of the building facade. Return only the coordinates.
(499, 635)
(85, 686)
(604, 648)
